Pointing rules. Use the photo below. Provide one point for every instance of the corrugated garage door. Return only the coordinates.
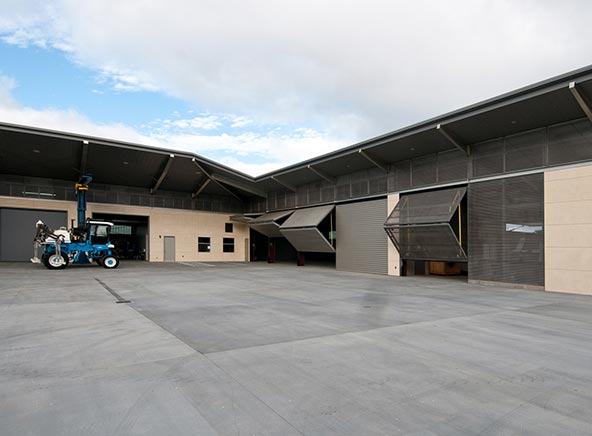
(17, 230)
(301, 229)
(361, 242)
(506, 230)
(268, 224)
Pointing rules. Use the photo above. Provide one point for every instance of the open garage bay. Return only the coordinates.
(257, 349)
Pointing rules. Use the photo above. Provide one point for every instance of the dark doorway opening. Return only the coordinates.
(129, 234)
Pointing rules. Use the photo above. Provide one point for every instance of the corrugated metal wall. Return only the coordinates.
(361, 240)
(506, 230)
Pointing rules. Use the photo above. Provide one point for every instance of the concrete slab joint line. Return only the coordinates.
(118, 297)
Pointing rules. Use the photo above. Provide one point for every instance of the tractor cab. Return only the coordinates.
(98, 232)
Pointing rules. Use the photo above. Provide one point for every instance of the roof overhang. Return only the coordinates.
(30, 151)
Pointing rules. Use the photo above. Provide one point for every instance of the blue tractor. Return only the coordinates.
(87, 243)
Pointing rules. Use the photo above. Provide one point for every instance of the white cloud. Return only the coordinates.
(381, 64)
(250, 152)
(7, 84)
(207, 122)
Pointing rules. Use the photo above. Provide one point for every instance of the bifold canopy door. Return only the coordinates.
(269, 224)
(241, 218)
(419, 226)
(302, 230)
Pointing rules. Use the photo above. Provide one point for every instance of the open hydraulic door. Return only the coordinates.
(302, 230)
(269, 223)
(420, 226)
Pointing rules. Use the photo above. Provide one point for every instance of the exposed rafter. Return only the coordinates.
(83, 157)
(211, 179)
(201, 187)
(223, 180)
(452, 139)
(322, 175)
(376, 162)
(163, 174)
(284, 184)
(581, 99)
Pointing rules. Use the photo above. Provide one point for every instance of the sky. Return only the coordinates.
(258, 85)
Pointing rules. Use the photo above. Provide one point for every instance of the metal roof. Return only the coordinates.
(31, 151)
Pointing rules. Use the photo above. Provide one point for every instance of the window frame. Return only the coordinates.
(228, 245)
(200, 244)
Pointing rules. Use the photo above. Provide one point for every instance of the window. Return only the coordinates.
(228, 227)
(203, 245)
(228, 245)
(121, 229)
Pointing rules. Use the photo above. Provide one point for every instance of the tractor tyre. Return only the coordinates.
(55, 261)
(110, 262)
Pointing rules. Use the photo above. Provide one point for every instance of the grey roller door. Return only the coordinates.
(269, 224)
(301, 229)
(17, 230)
(361, 242)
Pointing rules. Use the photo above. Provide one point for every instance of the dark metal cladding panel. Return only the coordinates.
(343, 192)
(452, 166)
(377, 184)
(402, 179)
(423, 170)
(570, 143)
(359, 189)
(290, 199)
(361, 243)
(428, 207)
(314, 193)
(280, 200)
(301, 196)
(506, 230)
(526, 151)
(488, 158)
(427, 242)
(328, 194)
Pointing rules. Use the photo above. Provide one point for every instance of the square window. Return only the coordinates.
(228, 227)
(203, 245)
(228, 245)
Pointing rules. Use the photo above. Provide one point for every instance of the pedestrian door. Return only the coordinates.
(169, 248)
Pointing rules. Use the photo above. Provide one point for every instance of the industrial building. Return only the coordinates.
(498, 192)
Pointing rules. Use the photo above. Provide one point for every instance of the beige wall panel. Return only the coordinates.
(573, 259)
(568, 173)
(557, 280)
(567, 213)
(568, 235)
(565, 190)
(568, 230)
(394, 260)
(186, 226)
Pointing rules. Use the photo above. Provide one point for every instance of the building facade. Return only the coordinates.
(499, 192)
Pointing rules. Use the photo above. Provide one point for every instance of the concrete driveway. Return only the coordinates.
(257, 349)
